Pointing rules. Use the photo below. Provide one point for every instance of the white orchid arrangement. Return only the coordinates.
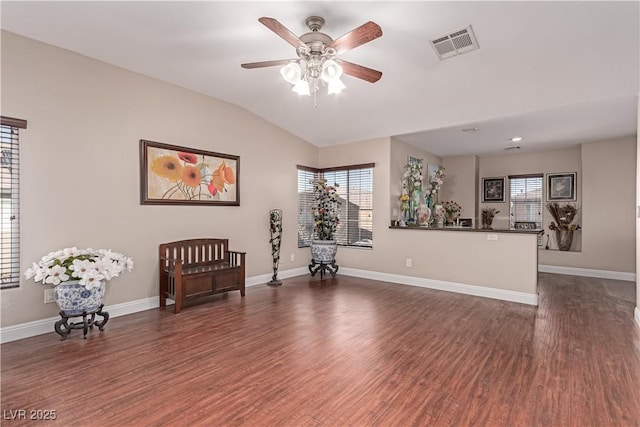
(90, 266)
(412, 177)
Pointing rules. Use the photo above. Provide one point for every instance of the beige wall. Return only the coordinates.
(608, 194)
(460, 183)
(599, 245)
(637, 216)
(554, 161)
(80, 169)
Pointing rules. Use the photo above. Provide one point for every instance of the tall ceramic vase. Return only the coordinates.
(275, 224)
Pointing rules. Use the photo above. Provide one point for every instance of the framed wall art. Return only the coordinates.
(561, 186)
(492, 190)
(174, 175)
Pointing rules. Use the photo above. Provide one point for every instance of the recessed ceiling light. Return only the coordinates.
(516, 139)
(469, 129)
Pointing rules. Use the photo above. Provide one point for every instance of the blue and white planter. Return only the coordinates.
(323, 251)
(74, 299)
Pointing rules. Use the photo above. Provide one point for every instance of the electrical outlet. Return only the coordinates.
(492, 237)
(293, 257)
(48, 296)
(409, 262)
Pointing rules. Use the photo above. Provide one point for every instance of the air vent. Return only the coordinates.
(455, 43)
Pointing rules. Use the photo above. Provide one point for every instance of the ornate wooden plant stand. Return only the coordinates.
(63, 327)
(331, 266)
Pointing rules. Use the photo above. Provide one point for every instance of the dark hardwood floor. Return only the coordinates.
(344, 352)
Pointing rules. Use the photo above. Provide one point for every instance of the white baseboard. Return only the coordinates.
(460, 288)
(637, 316)
(265, 278)
(44, 326)
(587, 272)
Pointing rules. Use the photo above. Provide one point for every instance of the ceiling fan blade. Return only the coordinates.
(250, 65)
(361, 35)
(275, 26)
(364, 73)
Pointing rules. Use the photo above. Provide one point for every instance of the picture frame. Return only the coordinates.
(493, 190)
(176, 175)
(561, 186)
(431, 171)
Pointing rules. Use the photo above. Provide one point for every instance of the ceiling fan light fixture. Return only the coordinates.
(301, 88)
(335, 86)
(291, 73)
(331, 71)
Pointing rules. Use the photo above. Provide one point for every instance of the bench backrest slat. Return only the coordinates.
(196, 252)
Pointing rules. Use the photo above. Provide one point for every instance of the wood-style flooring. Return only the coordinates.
(344, 352)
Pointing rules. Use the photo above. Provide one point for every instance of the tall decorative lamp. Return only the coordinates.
(275, 221)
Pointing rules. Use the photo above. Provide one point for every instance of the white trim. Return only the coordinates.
(460, 288)
(588, 272)
(637, 311)
(44, 326)
(265, 278)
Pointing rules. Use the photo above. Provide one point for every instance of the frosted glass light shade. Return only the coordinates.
(335, 86)
(331, 70)
(302, 88)
(291, 72)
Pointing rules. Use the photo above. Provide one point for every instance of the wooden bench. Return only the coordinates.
(195, 268)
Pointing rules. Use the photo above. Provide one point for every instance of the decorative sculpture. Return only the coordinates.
(275, 220)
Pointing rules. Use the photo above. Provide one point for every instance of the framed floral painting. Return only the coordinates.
(492, 190)
(175, 175)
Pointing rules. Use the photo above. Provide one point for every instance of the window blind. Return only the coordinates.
(10, 202)
(305, 214)
(355, 190)
(525, 199)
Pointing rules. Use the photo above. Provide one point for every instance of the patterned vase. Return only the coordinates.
(73, 298)
(323, 251)
(423, 215)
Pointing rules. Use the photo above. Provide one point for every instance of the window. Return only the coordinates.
(10, 202)
(355, 189)
(525, 201)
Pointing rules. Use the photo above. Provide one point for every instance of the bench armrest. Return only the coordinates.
(174, 265)
(236, 257)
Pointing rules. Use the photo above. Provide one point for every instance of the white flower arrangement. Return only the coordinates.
(89, 266)
(412, 176)
(436, 181)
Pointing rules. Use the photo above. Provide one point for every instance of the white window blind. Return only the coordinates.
(355, 189)
(305, 198)
(10, 202)
(525, 199)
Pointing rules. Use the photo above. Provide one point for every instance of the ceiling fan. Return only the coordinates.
(317, 56)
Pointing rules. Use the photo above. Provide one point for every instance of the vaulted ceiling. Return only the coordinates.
(555, 73)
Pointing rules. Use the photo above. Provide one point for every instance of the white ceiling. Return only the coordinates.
(555, 73)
